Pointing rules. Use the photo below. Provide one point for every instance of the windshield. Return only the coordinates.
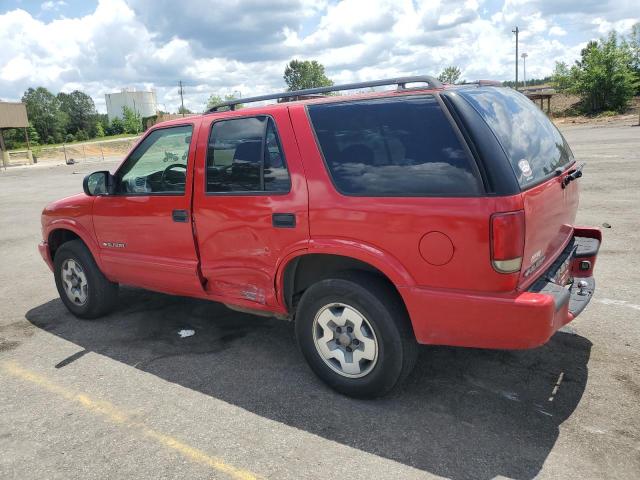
(532, 143)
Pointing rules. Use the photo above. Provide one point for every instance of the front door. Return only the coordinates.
(250, 204)
(144, 230)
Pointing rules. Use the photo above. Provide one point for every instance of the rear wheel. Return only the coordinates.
(82, 287)
(355, 334)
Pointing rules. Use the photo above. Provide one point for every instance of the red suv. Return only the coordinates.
(427, 214)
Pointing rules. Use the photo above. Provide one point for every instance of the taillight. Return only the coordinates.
(507, 241)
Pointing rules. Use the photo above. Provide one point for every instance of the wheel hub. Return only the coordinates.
(344, 339)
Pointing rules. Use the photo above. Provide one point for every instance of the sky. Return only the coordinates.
(243, 46)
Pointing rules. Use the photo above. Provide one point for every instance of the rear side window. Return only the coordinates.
(532, 143)
(402, 146)
(245, 155)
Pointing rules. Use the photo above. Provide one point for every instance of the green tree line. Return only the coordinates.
(531, 82)
(67, 117)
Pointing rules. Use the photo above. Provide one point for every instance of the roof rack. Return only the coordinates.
(484, 83)
(401, 82)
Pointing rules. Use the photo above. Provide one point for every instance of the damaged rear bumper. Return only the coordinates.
(513, 320)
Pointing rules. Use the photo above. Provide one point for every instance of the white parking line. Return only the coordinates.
(556, 386)
(618, 303)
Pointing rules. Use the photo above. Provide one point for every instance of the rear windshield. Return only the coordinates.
(401, 146)
(533, 144)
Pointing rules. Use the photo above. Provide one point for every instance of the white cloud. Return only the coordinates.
(52, 4)
(557, 31)
(604, 26)
(244, 45)
(16, 69)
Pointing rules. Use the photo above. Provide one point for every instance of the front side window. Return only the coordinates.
(402, 146)
(535, 147)
(158, 165)
(245, 155)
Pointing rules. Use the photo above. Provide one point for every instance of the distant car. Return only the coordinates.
(378, 221)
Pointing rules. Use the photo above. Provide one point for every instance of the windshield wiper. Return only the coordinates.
(573, 175)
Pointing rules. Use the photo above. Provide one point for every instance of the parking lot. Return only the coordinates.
(127, 397)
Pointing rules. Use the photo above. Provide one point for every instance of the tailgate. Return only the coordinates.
(550, 212)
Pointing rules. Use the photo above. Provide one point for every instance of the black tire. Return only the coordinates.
(380, 304)
(102, 295)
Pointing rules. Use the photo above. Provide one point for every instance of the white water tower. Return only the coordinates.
(144, 103)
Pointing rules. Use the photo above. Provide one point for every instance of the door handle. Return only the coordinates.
(181, 216)
(283, 220)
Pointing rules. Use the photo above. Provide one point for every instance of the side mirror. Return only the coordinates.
(97, 183)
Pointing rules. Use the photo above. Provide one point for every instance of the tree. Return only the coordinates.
(451, 74)
(530, 81)
(603, 76)
(634, 48)
(80, 111)
(43, 109)
(101, 122)
(299, 75)
(13, 138)
(131, 120)
(217, 99)
(116, 127)
(34, 138)
(591, 45)
(184, 110)
(561, 78)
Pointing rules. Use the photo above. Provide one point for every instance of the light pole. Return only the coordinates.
(516, 31)
(524, 68)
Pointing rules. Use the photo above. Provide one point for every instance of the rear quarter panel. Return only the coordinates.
(396, 225)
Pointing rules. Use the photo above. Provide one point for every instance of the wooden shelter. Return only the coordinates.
(541, 95)
(13, 115)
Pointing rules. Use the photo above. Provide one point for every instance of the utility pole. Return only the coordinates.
(181, 98)
(516, 31)
(524, 68)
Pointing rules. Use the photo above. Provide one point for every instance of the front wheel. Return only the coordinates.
(355, 334)
(82, 287)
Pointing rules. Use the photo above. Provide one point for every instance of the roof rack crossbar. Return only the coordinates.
(401, 82)
(483, 83)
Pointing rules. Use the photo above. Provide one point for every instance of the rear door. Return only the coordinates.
(540, 158)
(250, 203)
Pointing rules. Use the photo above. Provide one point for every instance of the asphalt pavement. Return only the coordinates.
(127, 396)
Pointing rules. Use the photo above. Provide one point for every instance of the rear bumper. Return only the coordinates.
(514, 320)
(43, 248)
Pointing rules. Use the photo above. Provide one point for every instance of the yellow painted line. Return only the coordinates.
(112, 413)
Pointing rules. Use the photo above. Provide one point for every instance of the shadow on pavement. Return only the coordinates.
(463, 413)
